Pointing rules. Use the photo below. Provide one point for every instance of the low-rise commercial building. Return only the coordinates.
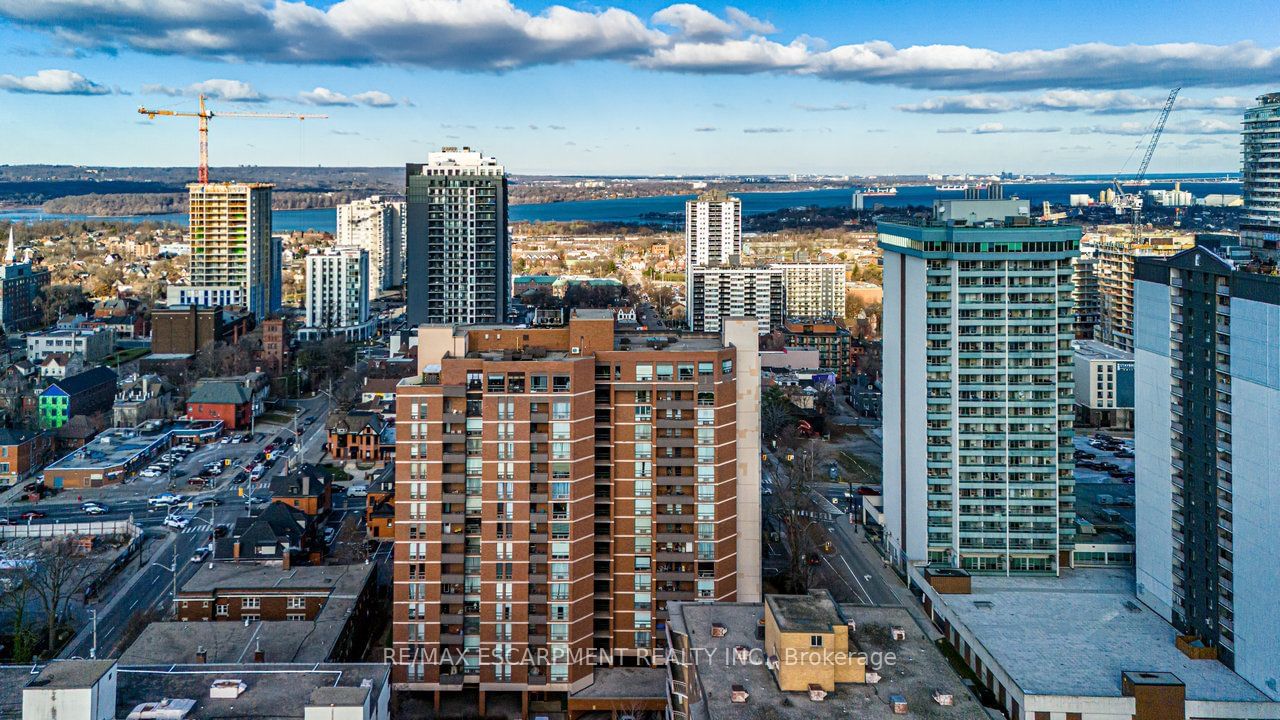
(117, 453)
(241, 688)
(802, 657)
(1081, 646)
(90, 344)
(185, 329)
(1104, 385)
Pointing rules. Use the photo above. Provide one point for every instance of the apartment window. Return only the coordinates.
(538, 383)
(295, 616)
(815, 641)
(560, 431)
(665, 372)
(222, 610)
(251, 602)
(296, 603)
(560, 383)
(706, 369)
(644, 373)
(644, 432)
(726, 367)
(250, 617)
(560, 410)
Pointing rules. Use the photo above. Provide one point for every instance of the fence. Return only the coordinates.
(58, 529)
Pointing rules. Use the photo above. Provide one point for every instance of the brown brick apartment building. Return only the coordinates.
(227, 592)
(557, 487)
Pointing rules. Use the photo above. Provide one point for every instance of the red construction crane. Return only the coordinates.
(205, 114)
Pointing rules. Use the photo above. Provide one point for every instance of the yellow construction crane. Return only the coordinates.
(205, 114)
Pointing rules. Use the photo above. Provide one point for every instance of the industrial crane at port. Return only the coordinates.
(1133, 201)
(205, 115)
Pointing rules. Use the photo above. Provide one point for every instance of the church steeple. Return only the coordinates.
(10, 256)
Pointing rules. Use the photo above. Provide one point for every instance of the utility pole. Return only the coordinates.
(174, 591)
(93, 651)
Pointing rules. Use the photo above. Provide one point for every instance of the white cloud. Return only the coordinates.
(765, 130)
(692, 21)
(53, 82)
(498, 35)
(834, 107)
(324, 97)
(1201, 126)
(374, 98)
(1104, 102)
(216, 88)
(994, 128)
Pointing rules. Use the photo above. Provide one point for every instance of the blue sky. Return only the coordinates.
(638, 87)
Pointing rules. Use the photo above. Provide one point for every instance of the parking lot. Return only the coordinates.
(1101, 497)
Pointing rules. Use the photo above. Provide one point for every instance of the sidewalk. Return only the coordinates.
(896, 586)
(118, 593)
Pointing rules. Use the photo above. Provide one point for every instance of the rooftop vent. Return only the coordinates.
(899, 633)
(899, 704)
(872, 678)
(166, 709)
(816, 693)
(227, 689)
(943, 698)
(982, 604)
(738, 694)
(718, 630)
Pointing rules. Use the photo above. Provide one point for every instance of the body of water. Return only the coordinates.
(670, 208)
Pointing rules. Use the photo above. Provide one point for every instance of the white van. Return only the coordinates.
(358, 490)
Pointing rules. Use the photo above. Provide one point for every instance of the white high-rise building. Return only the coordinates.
(1260, 145)
(338, 294)
(712, 230)
(813, 290)
(719, 293)
(377, 225)
(978, 390)
(230, 237)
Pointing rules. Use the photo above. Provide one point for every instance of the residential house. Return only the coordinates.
(380, 506)
(141, 398)
(87, 393)
(56, 366)
(220, 399)
(21, 453)
(277, 533)
(360, 435)
(306, 489)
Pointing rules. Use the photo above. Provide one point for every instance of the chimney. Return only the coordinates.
(202, 655)
(258, 655)
(235, 550)
(286, 560)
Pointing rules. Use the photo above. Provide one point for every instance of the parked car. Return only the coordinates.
(200, 482)
(1124, 453)
(358, 491)
(329, 534)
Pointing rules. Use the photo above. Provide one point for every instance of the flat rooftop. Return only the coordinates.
(620, 683)
(340, 579)
(287, 641)
(80, 674)
(815, 612)
(1076, 634)
(918, 669)
(114, 447)
(273, 690)
(1094, 350)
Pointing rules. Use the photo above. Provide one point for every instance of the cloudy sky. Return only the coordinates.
(826, 86)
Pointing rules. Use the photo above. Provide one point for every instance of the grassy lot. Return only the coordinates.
(124, 356)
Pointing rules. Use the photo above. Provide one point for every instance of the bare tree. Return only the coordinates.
(61, 571)
(350, 544)
(15, 600)
(794, 510)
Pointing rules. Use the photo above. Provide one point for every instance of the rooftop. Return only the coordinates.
(290, 641)
(71, 675)
(917, 670)
(815, 612)
(273, 690)
(1089, 628)
(1095, 350)
(111, 448)
(341, 579)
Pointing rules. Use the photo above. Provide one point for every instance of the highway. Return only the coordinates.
(150, 588)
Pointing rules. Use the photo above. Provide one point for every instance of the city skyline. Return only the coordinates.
(637, 87)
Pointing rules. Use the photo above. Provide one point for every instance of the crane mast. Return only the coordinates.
(205, 114)
(1133, 201)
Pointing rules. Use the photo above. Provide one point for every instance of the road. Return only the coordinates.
(848, 573)
(169, 554)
